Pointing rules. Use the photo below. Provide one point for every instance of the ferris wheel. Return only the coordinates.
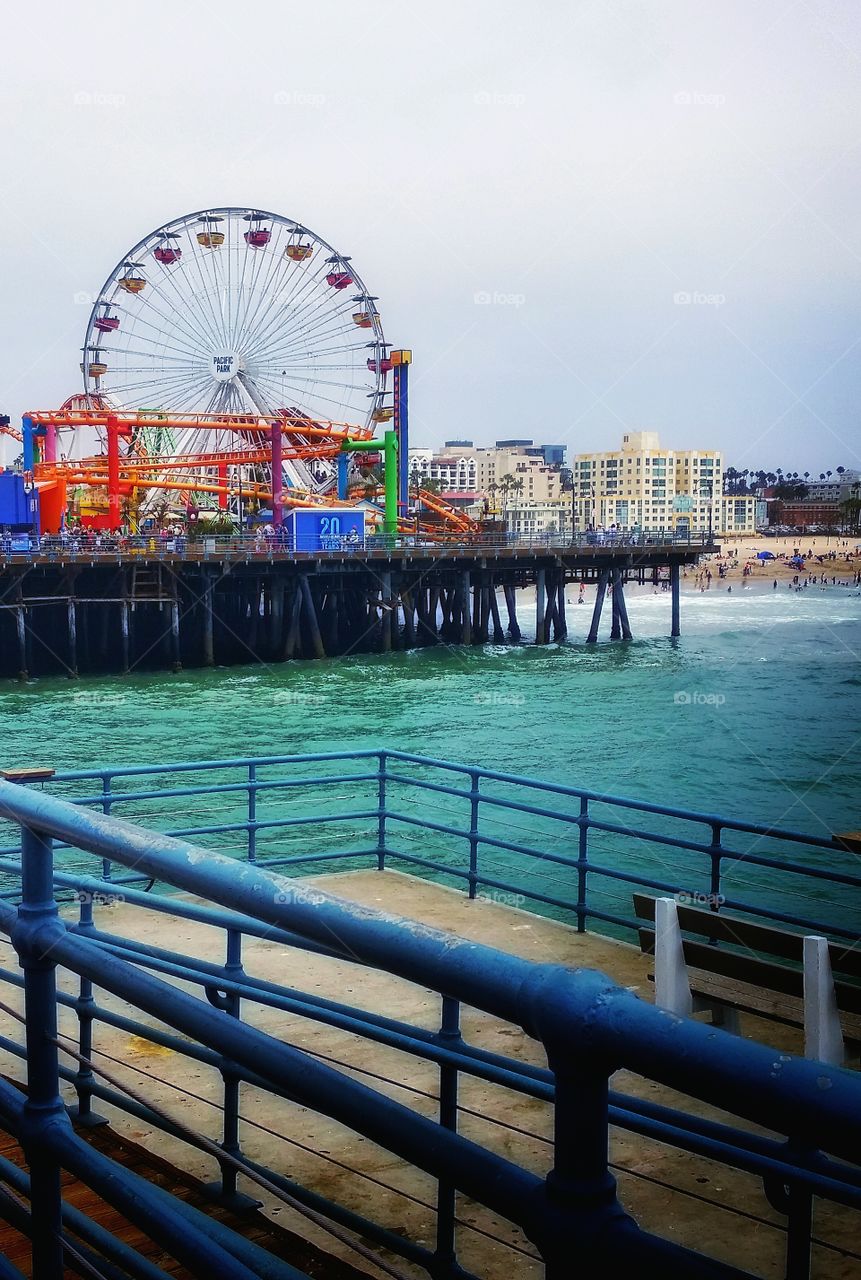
(238, 311)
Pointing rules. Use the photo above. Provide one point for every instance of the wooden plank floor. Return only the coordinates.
(252, 1225)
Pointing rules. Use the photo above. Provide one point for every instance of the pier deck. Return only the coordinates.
(713, 1209)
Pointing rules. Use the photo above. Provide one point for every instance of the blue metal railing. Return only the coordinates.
(572, 852)
(587, 1026)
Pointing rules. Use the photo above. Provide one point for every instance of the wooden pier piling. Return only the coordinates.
(122, 613)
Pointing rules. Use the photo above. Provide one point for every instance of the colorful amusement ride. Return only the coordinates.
(233, 361)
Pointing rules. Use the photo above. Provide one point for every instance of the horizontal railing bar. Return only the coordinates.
(418, 861)
(732, 904)
(624, 802)
(269, 823)
(231, 762)
(219, 788)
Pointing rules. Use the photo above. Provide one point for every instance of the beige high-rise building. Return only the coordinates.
(642, 486)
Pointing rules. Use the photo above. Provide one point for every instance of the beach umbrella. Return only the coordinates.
(765, 555)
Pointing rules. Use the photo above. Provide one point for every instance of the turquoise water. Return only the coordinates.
(752, 713)
(776, 736)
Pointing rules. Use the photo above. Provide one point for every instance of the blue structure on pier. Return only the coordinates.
(588, 1026)
(19, 503)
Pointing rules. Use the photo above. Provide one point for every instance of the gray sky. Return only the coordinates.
(531, 190)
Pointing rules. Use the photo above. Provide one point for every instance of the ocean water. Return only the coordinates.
(754, 712)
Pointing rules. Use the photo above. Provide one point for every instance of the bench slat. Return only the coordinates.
(760, 973)
(750, 998)
(756, 937)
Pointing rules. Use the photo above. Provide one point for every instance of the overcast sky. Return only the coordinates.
(532, 190)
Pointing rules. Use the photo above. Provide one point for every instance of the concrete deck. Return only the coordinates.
(690, 1200)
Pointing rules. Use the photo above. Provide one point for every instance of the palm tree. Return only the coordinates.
(506, 484)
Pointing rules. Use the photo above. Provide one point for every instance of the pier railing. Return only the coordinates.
(484, 830)
(241, 547)
(570, 852)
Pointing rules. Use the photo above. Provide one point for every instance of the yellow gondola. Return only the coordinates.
(299, 252)
(210, 239)
(132, 284)
(383, 414)
(365, 319)
(97, 369)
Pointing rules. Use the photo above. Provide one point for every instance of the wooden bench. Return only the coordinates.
(726, 973)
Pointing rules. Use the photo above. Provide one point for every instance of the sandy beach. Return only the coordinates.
(829, 557)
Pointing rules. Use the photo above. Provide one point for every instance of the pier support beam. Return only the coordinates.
(540, 606)
(276, 620)
(511, 607)
(620, 606)
(600, 593)
(561, 620)
(293, 627)
(174, 633)
(124, 634)
(498, 631)
(208, 642)
(465, 623)
(675, 588)
(73, 637)
(311, 617)
(389, 619)
(21, 627)
(615, 624)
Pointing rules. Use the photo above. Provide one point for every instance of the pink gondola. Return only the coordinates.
(106, 324)
(258, 238)
(167, 255)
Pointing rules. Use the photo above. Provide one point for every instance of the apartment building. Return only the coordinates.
(644, 486)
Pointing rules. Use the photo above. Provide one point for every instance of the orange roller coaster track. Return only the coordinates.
(132, 467)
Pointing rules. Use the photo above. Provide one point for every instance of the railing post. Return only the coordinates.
(580, 1182)
(474, 800)
(37, 915)
(252, 813)
(84, 1005)
(583, 866)
(106, 808)
(381, 813)
(799, 1229)
(231, 1004)
(446, 1252)
(716, 854)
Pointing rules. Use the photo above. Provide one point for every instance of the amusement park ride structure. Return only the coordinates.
(233, 356)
